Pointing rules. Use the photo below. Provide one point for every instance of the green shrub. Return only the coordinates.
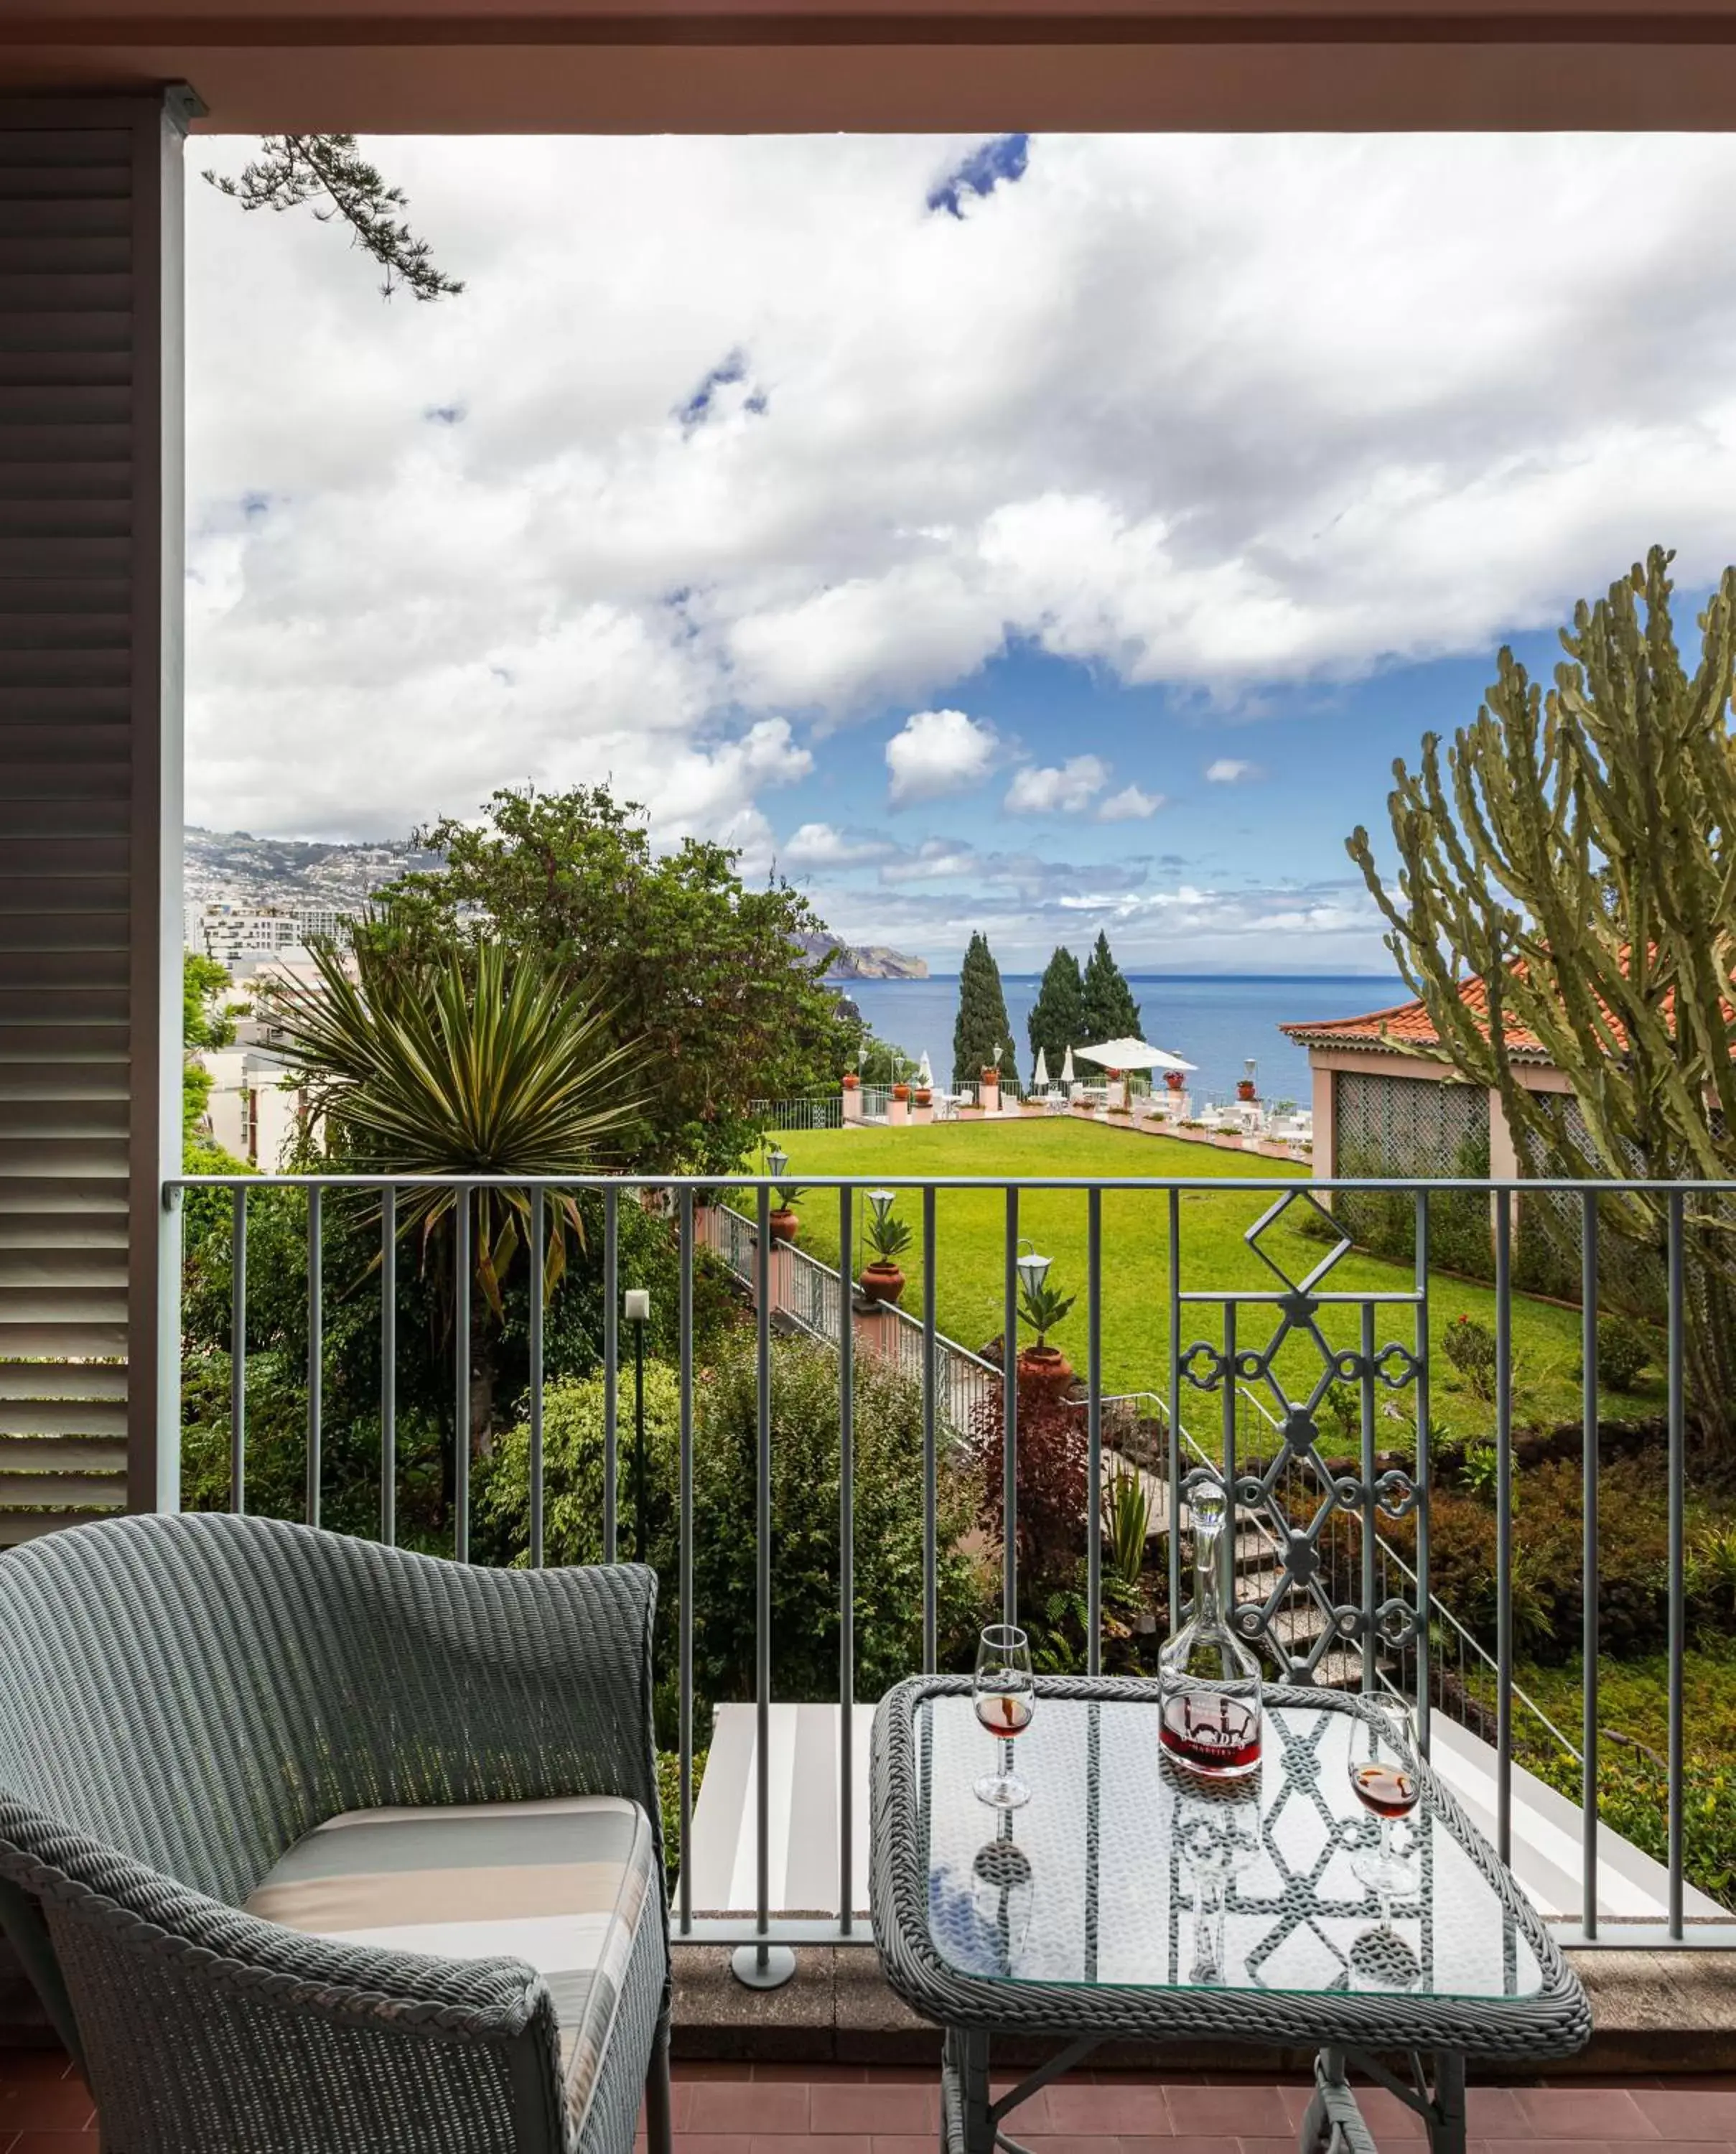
(1710, 1577)
(1625, 1347)
(804, 1627)
(1633, 1548)
(1470, 1347)
(1633, 1794)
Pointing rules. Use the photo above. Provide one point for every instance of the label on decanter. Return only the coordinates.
(1210, 1733)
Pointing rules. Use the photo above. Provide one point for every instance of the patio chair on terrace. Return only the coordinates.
(310, 1844)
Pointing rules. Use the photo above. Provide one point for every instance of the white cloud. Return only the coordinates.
(938, 752)
(819, 845)
(1129, 805)
(1229, 770)
(1064, 789)
(1159, 407)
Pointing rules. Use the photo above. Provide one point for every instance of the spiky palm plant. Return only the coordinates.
(484, 1063)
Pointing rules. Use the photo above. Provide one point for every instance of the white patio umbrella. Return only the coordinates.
(1132, 1054)
(925, 1076)
(1067, 1067)
(1039, 1075)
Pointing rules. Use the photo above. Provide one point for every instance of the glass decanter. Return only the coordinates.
(1208, 1683)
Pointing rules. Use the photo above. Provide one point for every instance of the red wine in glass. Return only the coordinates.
(1004, 1712)
(1385, 1788)
(1210, 1733)
(1386, 1780)
(1003, 1695)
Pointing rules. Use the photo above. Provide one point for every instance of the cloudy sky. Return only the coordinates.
(1034, 535)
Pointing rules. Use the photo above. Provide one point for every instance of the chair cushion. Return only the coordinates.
(562, 1883)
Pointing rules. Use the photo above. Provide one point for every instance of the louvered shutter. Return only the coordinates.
(87, 852)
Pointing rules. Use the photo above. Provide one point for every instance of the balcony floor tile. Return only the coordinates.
(740, 2108)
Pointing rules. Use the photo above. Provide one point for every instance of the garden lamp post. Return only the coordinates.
(637, 1309)
(1033, 1269)
(777, 1162)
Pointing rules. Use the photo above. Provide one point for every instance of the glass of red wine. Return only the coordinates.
(1386, 1778)
(1004, 1693)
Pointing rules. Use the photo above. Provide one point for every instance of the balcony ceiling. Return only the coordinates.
(629, 66)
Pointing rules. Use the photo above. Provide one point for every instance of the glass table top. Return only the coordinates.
(1121, 1870)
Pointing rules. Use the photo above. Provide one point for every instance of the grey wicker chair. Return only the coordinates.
(183, 1701)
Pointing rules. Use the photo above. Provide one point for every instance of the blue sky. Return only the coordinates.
(1031, 534)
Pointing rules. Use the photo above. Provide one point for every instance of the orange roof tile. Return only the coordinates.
(1405, 1024)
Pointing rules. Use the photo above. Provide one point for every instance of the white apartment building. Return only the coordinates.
(231, 931)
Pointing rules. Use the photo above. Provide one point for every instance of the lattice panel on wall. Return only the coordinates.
(1391, 1127)
(1408, 1125)
(1630, 1277)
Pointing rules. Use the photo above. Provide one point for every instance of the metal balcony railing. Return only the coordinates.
(1319, 1533)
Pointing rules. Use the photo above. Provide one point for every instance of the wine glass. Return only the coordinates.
(1004, 1693)
(1386, 1778)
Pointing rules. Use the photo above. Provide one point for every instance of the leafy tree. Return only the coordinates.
(1057, 1020)
(701, 972)
(467, 1064)
(329, 171)
(205, 1023)
(982, 1033)
(1569, 878)
(1111, 1012)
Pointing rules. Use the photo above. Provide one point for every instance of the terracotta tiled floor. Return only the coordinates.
(766, 2109)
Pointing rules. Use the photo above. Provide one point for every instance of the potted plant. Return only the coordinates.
(1043, 1368)
(852, 1082)
(882, 1279)
(784, 1224)
(924, 1096)
(901, 1091)
(1244, 1089)
(1175, 1079)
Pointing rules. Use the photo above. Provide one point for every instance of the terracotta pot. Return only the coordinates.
(992, 1077)
(901, 1091)
(881, 1281)
(1244, 1089)
(924, 1096)
(1045, 1370)
(1175, 1079)
(785, 1226)
(852, 1083)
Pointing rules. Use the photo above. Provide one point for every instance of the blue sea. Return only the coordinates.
(1218, 1022)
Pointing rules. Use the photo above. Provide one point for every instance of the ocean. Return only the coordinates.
(1216, 1022)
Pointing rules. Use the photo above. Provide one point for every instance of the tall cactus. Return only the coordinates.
(1578, 858)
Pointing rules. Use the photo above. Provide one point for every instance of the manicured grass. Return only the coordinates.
(970, 1240)
(1633, 1700)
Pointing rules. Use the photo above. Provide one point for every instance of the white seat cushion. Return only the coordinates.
(562, 1883)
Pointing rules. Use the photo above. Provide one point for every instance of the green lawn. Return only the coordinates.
(970, 1240)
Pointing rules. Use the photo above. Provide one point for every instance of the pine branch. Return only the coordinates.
(326, 171)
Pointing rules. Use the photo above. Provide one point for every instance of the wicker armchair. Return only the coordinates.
(184, 1701)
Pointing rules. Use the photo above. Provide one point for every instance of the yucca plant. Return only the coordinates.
(1042, 1308)
(1126, 1518)
(481, 1063)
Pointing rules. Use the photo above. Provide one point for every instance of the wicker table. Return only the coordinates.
(1125, 1900)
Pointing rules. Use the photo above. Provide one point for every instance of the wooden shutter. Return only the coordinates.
(86, 850)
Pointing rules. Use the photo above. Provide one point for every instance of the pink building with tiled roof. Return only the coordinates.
(1384, 1105)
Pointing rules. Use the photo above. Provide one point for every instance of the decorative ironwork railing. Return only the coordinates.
(1324, 1514)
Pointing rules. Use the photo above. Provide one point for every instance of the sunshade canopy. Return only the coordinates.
(1131, 1054)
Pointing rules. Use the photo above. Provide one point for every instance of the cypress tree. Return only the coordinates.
(982, 1020)
(1057, 1021)
(1111, 1013)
